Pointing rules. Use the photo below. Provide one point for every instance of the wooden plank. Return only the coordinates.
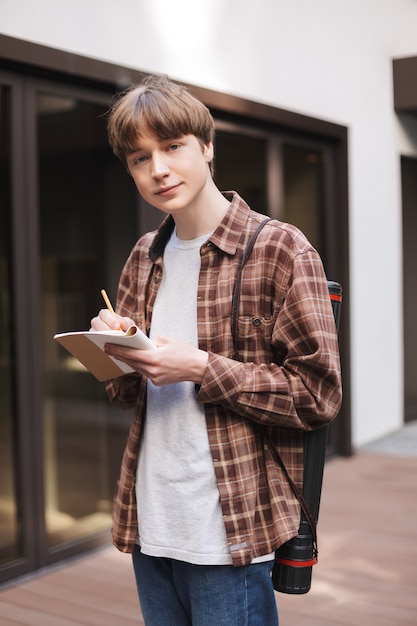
(366, 572)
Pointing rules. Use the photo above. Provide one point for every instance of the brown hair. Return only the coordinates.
(159, 106)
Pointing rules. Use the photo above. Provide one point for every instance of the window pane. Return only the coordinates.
(303, 192)
(88, 225)
(240, 165)
(9, 535)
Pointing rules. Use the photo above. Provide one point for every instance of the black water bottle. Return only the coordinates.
(295, 559)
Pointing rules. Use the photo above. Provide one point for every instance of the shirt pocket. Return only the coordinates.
(254, 338)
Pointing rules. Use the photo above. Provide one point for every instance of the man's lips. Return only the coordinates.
(166, 191)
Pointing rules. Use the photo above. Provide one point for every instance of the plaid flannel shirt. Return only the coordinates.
(287, 379)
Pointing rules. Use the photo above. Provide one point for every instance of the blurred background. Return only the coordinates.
(316, 113)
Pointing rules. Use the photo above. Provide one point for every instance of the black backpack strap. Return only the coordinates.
(238, 283)
(277, 457)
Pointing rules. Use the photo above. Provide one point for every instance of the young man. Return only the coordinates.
(200, 502)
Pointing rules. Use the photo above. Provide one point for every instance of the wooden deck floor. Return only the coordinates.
(367, 571)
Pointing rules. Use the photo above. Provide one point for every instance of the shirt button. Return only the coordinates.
(256, 321)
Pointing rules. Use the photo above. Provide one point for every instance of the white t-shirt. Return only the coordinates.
(178, 501)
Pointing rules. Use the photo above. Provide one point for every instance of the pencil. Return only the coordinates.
(107, 301)
(109, 305)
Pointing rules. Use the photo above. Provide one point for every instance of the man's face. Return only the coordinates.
(170, 174)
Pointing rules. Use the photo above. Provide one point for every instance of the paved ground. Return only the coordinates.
(366, 576)
(402, 443)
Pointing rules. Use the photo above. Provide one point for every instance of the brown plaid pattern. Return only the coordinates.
(288, 379)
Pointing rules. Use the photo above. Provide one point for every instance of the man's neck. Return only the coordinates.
(203, 218)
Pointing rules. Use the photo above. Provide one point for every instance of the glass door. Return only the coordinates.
(88, 216)
(303, 200)
(69, 217)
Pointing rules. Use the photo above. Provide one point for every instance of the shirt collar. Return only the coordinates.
(226, 236)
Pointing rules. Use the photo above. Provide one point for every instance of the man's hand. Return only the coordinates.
(171, 362)
(106, 320)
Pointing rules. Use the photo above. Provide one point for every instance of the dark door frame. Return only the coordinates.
(409, 202)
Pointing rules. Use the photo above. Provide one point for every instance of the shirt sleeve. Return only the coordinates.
(301, 387)
(124, 391)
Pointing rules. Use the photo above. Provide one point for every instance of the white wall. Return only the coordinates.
(329, 59)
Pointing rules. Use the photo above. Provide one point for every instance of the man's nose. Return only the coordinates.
(159, 165)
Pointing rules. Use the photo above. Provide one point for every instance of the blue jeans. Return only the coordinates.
(173, 593)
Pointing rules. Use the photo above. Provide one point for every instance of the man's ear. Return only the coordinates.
(208, 151)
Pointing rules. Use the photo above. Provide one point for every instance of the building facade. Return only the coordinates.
(315, 109)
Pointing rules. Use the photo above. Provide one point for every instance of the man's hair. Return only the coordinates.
(158, 106)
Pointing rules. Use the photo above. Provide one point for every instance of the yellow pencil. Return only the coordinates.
(107, 301)
(109, 305)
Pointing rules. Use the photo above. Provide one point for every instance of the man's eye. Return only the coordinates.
(140, 159)
(174, 146)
